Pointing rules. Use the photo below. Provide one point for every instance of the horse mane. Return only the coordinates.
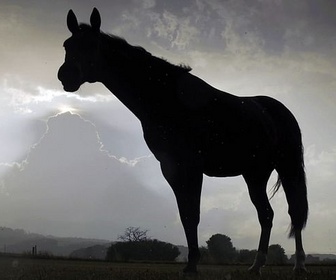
(114, 40)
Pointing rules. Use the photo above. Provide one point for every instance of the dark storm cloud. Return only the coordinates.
(277, 25)
(32, 37)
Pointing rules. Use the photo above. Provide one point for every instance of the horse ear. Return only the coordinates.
(72, 22)
(95, 20)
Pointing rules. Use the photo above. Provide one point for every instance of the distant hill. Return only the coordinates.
(20, 241)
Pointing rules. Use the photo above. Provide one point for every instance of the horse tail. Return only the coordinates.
(291, 174)
(276, 187)
(289, 162)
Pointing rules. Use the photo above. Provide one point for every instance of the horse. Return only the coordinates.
(193, 129)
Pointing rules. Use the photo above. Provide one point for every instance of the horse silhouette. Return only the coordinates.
(194, 129)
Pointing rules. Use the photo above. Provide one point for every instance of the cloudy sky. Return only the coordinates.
(77, 165)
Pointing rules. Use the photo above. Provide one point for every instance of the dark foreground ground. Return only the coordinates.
(16, 267)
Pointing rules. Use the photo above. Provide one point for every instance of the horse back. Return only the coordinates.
(228, 134)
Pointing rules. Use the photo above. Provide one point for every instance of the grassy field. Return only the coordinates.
(15, 268)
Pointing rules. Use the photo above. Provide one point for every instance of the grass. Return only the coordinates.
(19, 268)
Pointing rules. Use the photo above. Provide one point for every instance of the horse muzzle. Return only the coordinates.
(70, 77)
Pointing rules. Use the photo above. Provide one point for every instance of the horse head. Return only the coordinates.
(82, 59)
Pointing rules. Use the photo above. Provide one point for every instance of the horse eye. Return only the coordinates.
(72, 56)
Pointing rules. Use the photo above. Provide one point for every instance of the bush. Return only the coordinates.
(149, 250)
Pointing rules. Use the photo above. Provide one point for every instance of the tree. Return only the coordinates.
(205, 255)
(276, 255)
(221, 248)
(245, 256)
(134, 234)
(149, 250)
(136, 245)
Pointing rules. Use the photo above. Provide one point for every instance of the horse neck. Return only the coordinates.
(144, 88)
(127, 93)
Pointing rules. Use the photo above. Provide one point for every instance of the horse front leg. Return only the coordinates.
(186, 183)
(189, 209)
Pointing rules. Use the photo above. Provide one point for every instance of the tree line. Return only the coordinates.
(135, 245)
(221, 250)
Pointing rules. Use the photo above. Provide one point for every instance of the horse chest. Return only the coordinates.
(162, 138)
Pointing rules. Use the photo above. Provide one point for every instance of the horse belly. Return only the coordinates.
(223, 163)
(221, 171)
(234, 160)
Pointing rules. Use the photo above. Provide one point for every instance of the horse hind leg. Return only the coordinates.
(300, 256)
(257, 190)
(294, 185)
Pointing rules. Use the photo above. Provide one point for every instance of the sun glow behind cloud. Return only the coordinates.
(64, 108)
